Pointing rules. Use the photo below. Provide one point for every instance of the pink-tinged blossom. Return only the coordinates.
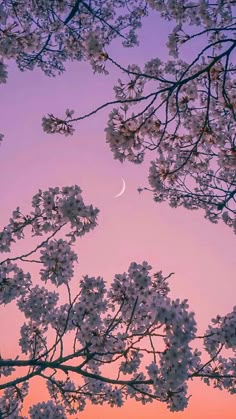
(38, 303)
(11, 401)
(58, 260)
(14, 282)
(37, 35)
(32, 338)
(118, 326)
(47, 410)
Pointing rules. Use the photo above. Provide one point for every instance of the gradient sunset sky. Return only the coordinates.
(132, 227)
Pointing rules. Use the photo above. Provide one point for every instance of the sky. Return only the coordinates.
(132, 227)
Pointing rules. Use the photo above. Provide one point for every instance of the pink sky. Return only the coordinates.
(132, 227)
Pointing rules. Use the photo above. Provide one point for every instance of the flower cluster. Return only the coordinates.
(52, 210)
(32, 339)
(58, 260)
(93, 44)
(87, 313)
(61, 319)
(14, 282)
(222, 333)
(6, 371)
(63, 392)
(6, 239)
(54, 125)
(10, 402)
(126, 135)
(38, 303)
(47, 410)
(133, 88)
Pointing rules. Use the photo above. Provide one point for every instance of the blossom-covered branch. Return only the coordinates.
(186, 111)
(48, 33)
(132, 324)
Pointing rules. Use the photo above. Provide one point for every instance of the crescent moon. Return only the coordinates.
(122, 189)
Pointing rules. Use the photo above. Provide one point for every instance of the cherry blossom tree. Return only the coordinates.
(106, 344)
(48, 33)
(185, 109)
(102, 344)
